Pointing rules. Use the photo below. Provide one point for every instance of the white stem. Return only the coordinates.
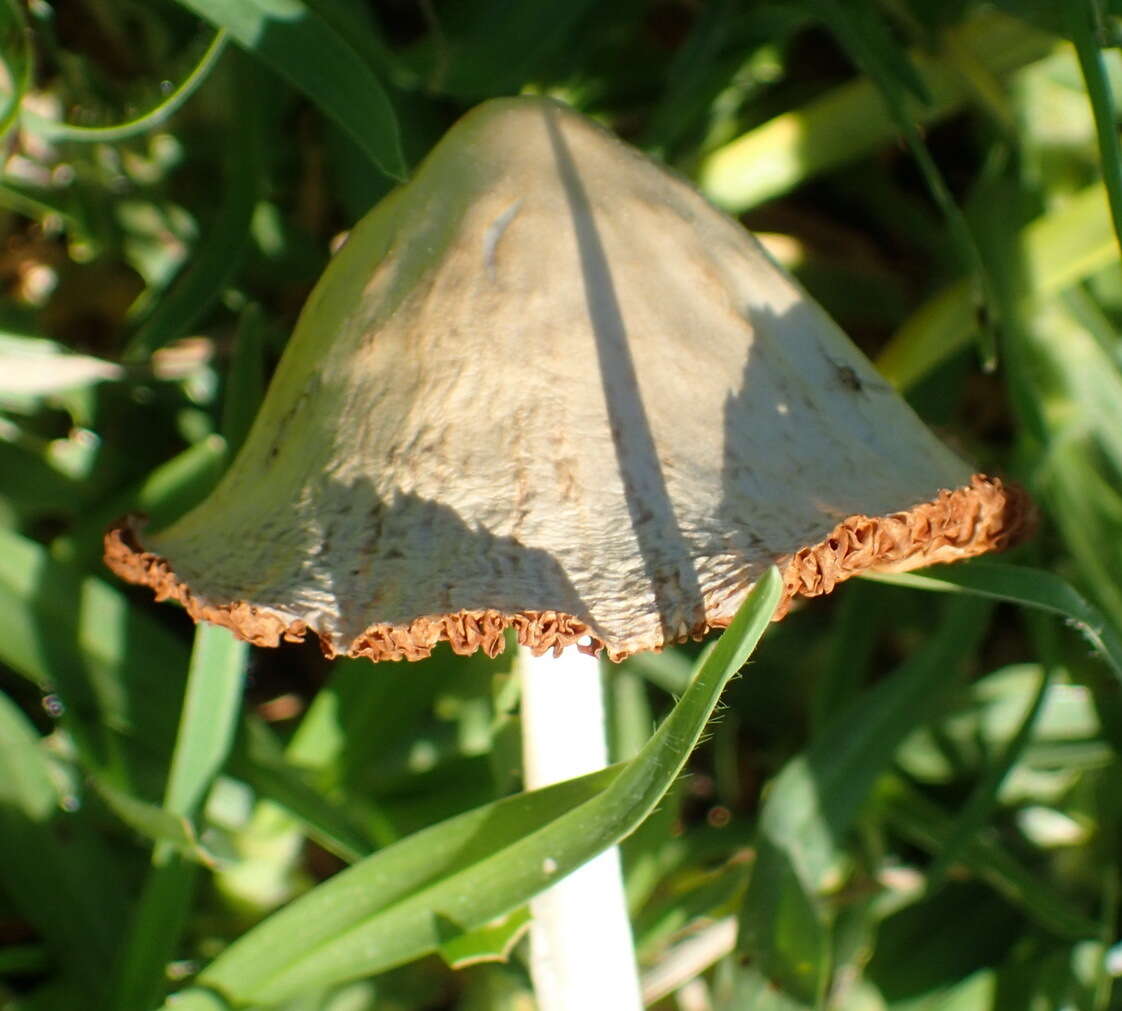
(582, 957)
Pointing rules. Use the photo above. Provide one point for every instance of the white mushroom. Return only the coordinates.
(546, 386)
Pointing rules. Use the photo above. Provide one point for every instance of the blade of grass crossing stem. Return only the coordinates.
(815, 799)
(173, 312)
(55, 131)
(413, 897)
(313, 56)
(206, 734)
(1028, 587)
(490, 943)
(390, 876)
(15, 52)
(1080, 17)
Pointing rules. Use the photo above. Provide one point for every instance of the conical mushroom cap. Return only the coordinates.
(547, 386)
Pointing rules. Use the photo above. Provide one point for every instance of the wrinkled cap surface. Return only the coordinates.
(546, 386)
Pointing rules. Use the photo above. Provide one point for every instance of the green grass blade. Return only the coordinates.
(862, 34)
(415, 896)
(492, 942)
(117, 672)
(357, 718)
(1019, 584)
(157, 921)
(51, 868)
(154, 822)
(851, 121)
(1087, 506)
(206, 734)
(260, 761)
(857, 627)
(973, 815)
(389, 878)
(927, 825)
(815, 799)
(1063, 247)
(210, 712)
(720, 41)
(1055, 251)
(33, 486)
(245, 382)
(782, 928)
(163, 496)
(860, 29)
(179, 485)
(216, 260)
(15, 52)
(52, 130)
(1079, 17)
(482, 49)
(307, 51)
(670, 670)
(631, 718)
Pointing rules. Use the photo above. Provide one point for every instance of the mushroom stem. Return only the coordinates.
(581, 950)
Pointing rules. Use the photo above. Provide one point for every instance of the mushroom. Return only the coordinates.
(546, 387)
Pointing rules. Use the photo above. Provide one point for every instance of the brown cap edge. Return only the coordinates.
(985, 515)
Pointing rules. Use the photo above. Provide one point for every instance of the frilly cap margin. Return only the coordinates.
(985, 515)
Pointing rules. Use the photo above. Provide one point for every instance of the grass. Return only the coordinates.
(910, 798)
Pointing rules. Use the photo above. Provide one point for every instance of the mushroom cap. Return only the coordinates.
(546, 386)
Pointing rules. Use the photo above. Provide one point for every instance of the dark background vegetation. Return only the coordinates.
(929, 780)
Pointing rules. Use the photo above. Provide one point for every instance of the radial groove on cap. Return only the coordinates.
(545, 386)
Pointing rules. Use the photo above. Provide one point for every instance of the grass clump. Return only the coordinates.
(911, 800)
